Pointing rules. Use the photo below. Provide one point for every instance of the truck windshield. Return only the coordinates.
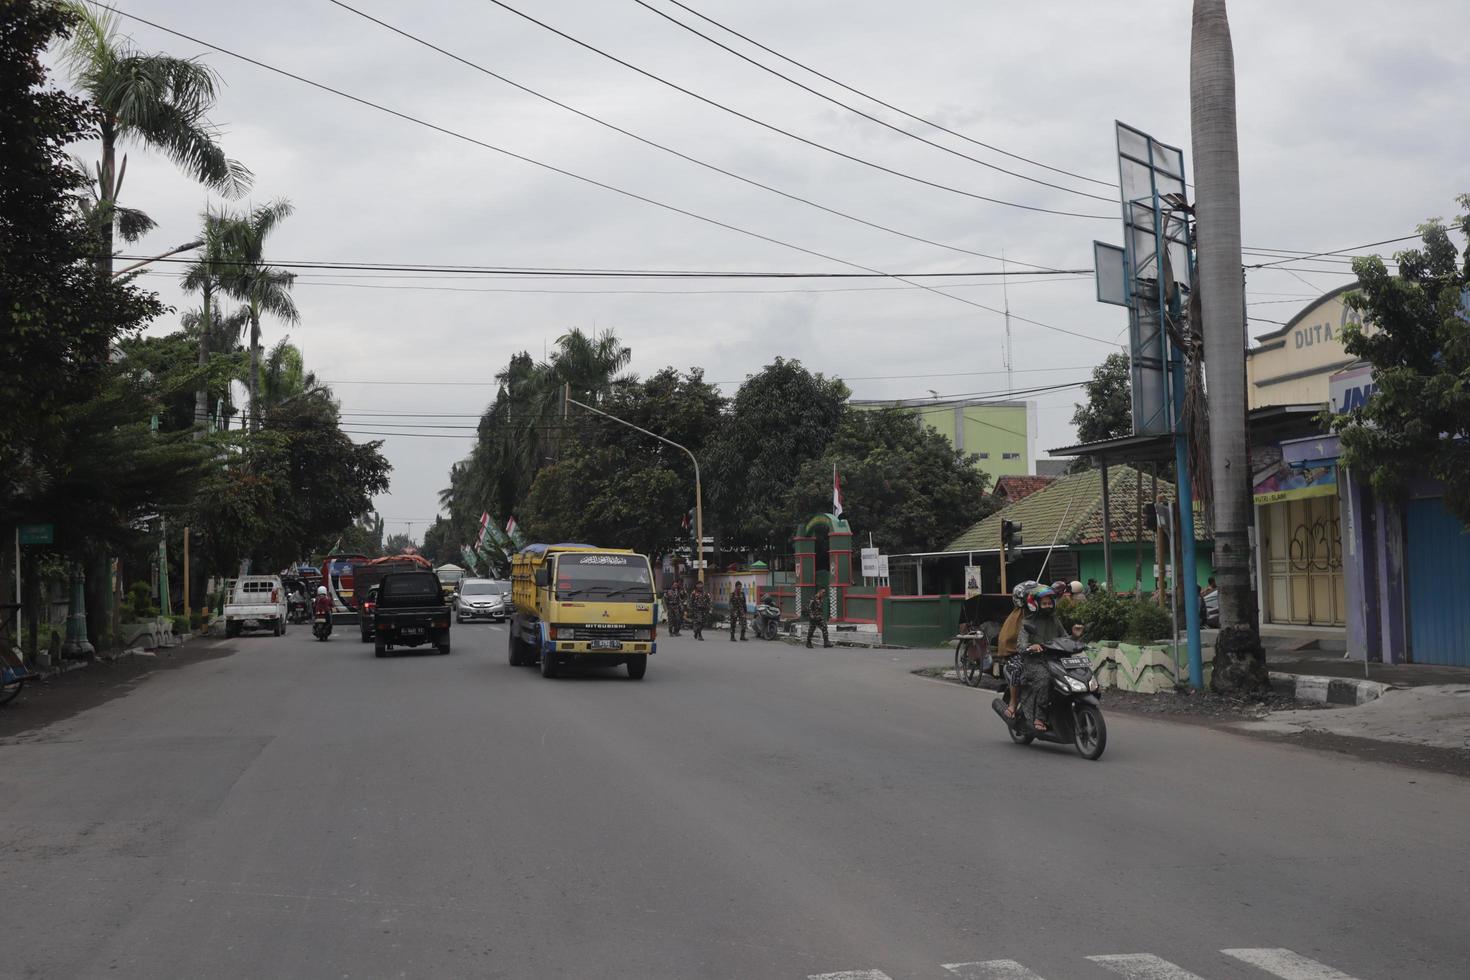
(411, 585)
(603, 576)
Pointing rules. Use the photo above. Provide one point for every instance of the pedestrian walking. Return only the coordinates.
(698, 610)
(816, 612)
(675, 599)
(737, 610)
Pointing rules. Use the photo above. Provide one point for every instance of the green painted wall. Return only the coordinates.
(1090, 561)
(993, 432)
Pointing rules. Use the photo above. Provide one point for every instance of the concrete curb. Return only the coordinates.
(1329, 690)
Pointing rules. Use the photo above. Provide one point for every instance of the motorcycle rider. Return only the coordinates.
(1039, 625)
(1005, 646)
(322, 606)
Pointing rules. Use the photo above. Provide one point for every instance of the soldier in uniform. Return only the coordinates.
(816, 612)
(698, 610)
(737, 611)
(675, 598)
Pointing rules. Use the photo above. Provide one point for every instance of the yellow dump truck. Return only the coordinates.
(579, 602)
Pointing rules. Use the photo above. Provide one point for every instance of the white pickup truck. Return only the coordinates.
(258, 602)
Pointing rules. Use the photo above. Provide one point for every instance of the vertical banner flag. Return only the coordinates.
(836, 492)
(484, 523)
(510, 527)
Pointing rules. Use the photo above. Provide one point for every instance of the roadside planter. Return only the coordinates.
(1146, 669)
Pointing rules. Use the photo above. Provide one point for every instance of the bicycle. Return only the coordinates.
(971, 656)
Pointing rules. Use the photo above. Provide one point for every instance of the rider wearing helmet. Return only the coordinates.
(322, 605)
(1005, 647)
(1039, 625)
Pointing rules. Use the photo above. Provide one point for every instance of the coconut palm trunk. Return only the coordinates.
(1238, 663)
(201, 394)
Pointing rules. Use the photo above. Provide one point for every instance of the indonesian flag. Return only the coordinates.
(684, 524)
(836, 492)
(484, 523)
(510, 527)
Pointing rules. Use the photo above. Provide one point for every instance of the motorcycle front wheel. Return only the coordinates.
(1091, 732)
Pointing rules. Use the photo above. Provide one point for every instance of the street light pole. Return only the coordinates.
(567, 399)
(174, 251)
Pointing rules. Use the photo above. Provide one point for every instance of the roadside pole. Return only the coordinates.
(567, 399)
(187, 610)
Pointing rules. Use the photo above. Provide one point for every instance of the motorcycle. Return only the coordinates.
(767, 619)
(1075, 716)
(321, 628)
(297, 611)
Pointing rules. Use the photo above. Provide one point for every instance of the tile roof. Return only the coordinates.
(1018, 487)
(1072, 505)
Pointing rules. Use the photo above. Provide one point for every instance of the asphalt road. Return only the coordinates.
(306, 810)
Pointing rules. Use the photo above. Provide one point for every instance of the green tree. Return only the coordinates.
(214, 329)
(902, 481)
(778, 420)
(1415, 332)
(263, 288)
(156, 100)
(284, 376)
(1108, 413)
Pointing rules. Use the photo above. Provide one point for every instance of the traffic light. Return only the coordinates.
(1010, 535)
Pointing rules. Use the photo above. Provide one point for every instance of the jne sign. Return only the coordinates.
(1351, 389)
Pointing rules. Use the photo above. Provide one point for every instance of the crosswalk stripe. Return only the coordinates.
(851, 975)
(991, 970)
(1143, 966)
(1286, 964)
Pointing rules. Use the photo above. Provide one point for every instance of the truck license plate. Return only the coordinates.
(607, 644)
(412, 631)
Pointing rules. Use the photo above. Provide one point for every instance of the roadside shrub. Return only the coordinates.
(196, 621)
(1103, 615)
(181, 624)
(140, 601)
(1147, 621)
(1069, 610)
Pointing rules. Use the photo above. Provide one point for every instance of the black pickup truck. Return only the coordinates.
(411, 611)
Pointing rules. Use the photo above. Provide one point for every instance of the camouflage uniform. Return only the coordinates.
(737, 610)
(676, 599)
(698, 611)
(816, 612)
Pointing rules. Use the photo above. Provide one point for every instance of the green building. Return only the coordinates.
(1001, 434)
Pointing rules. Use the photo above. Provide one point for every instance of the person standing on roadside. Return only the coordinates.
(816, 612)
(698, 610)
(737, 610)
(675, 599)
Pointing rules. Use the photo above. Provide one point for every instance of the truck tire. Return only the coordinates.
(380, 649)
(444, 645)
(514, 658)
(279, 628)
(638, 666)
(550, 665)
(232, 628)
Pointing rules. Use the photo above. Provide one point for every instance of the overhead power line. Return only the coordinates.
(1338, 251)
(787, 133)
(656, 145)
(870, 377)
(859, 112)
(888, 105)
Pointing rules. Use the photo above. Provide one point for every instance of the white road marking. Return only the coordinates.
(991, 970)
(1286, 964)
(851, 975)
(1143, 966)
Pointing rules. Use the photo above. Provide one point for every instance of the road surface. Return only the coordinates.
(755, 810)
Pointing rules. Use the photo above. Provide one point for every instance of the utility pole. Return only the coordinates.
(567, 400)
(1217, 208)
(1005, 293)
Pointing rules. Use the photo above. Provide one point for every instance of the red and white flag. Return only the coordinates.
(510, 527)
(484, 523)
(836, 492)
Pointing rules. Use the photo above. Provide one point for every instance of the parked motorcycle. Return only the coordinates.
(297, 610)
(767, 619)
(321, 628)
(1075, 716)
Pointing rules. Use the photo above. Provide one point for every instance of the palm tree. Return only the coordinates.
(284, 377)
(1217, 207)
(157, 100)
(262, 287)
(205, 276)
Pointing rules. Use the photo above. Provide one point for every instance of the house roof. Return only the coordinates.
(1070, 509)
(1019, 487)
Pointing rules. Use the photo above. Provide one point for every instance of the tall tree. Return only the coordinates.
(205, 276)
(1108, 413)
(1415, 332)
(262, 287)
(157, 100)
(779, 419)
(1239, 663)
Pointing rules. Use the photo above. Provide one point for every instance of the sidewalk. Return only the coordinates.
(1434, 715)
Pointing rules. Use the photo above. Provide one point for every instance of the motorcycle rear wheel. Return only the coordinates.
(1091, 736)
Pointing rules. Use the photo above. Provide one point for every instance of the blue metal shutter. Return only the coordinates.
(1438, 564)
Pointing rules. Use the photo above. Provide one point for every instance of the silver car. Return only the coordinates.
(482, 598)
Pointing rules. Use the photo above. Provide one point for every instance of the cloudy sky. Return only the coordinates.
(1351, 123)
